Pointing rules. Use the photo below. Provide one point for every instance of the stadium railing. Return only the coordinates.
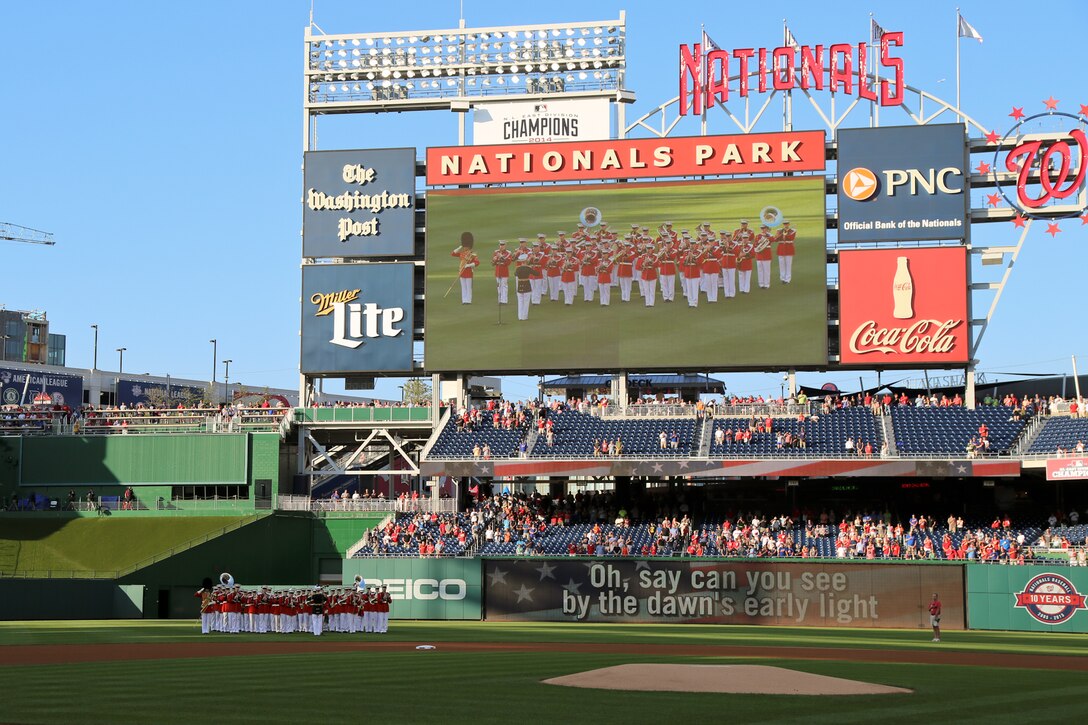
(366, 505)
(364, 414)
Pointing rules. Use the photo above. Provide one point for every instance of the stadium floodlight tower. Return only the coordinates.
(451, 69)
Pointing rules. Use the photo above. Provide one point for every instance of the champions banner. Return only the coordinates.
(796, 593)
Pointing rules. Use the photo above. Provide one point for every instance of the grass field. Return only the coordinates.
(402, 684)
(783, 325)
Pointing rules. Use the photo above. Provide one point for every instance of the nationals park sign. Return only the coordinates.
(751, 153)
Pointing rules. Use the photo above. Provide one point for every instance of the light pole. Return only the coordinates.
(226, 380)
(94, 360)
(215, 356)
(121, 359)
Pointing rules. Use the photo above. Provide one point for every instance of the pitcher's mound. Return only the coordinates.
(746, 679)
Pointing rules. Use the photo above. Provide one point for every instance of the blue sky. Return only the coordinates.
(161, 144)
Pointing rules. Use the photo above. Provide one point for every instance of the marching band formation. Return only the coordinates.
(598, 260)
(233, 610)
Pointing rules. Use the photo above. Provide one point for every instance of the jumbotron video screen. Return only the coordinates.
(710, 274)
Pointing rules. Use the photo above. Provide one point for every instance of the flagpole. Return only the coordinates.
(786, 94)
(703, 77)
(958, 62)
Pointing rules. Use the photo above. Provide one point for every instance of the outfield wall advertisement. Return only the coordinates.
(704, 275)
(423, 588)
(1027, 598)
(817, 594)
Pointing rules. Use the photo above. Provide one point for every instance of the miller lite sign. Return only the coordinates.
(356, 318)
(900, 306)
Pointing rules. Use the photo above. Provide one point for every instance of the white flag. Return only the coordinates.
(875, 31)
(708, 42)
(790, 40)
(966, 31)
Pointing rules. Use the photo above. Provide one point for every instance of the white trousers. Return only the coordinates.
(317, 622)
(668, 287)
(744, 278)
(553, 288)
(524, 300)
(466, 290)
(729, 282)
(502, 284)
(785, 267)
(763, 271)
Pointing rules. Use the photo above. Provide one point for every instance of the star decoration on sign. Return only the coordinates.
(993, 199)
(1084, 218)
(961, 468)
(1083, 109)
(497, 576)
(683, 465)
(1051, 103)
(658, 468)
(1019, 221)
(573, 587)
(642, 564)
(993, 137)
(1017, 113)
(983, 167)
(524, 593)
(546, 571)
(1052, 229)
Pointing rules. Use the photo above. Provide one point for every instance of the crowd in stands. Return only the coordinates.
(596, 525)
(119, 418)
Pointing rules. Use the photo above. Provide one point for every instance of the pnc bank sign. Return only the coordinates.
(902, 183)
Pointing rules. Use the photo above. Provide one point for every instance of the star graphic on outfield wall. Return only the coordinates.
(983, 167)
(573, 587)
(642, 564)
(1052, 229)
(546, 571)
(961, 468)
(1019, 221)
(993, 137)
(524, 593)
(1051, 103)
(1017, 113)
(658, 468)
(993, 199)
(497, 576)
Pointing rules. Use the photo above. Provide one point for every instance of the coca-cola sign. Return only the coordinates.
(903, 306)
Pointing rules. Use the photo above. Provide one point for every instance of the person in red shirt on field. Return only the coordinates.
(935, 617)
(785, 237)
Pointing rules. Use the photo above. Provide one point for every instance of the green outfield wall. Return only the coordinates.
(1027, 598)
(57, 599)
(424, 588)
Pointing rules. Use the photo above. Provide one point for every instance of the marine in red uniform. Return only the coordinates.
(763, 256)
(501, 260)
(786, 237)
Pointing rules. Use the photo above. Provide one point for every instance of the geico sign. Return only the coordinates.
(860, 184)
(450, 590)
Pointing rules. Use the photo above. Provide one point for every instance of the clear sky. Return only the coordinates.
(161, 144)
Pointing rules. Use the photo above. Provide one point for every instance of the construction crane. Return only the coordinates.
(15, 233)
